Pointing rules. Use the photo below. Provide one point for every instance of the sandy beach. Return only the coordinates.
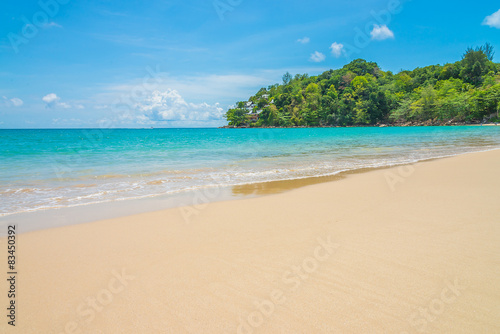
(413, 249)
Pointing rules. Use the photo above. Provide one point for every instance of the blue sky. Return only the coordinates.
(183, 63)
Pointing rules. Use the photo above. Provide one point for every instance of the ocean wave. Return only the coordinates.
(34, 199)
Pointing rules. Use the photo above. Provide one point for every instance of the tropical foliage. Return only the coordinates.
(360, 93)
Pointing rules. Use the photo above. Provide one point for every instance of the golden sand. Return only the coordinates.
(412, 249)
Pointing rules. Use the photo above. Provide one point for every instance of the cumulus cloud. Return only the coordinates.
(380, 33)
(52, 100)
(337, 49)
(317, 57)
(493, 20)
(169, 105)
(304, 40)
(194, 88)
(214, 91)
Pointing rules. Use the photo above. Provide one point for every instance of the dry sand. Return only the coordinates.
(402, 250)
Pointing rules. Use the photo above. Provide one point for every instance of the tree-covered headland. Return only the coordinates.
(360, 93)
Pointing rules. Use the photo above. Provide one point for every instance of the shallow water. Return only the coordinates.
(41, 169)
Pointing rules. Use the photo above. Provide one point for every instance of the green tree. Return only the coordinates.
(312, 88)
(474, 66)
(287, 78)
(424, 108)
(237, 116)
(332, 92)
(403, 82)
(488, 50)
(361, 93)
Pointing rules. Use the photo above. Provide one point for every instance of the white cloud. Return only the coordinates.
(52, 25)
(493, 20)
(121, 102)
(17, 102)
(209, 88)
(52, 100)
(304, 40)
(317, 57)
(63, 105)
(337, 49)
(13, 102)
(381, 33)
(169, 105)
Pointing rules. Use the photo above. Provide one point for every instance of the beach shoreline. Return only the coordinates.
(133, 166)
(81, 214)
(407, 249)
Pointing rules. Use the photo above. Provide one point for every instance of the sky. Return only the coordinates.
(137, 64)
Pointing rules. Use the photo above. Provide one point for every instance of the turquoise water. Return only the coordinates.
(42, 169)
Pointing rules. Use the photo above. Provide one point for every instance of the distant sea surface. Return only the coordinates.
(42, 169)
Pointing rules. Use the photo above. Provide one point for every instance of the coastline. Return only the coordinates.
(107, 169)
(50, 218)
(366, 253)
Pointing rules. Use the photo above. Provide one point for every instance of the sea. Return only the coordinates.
(58, 168)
